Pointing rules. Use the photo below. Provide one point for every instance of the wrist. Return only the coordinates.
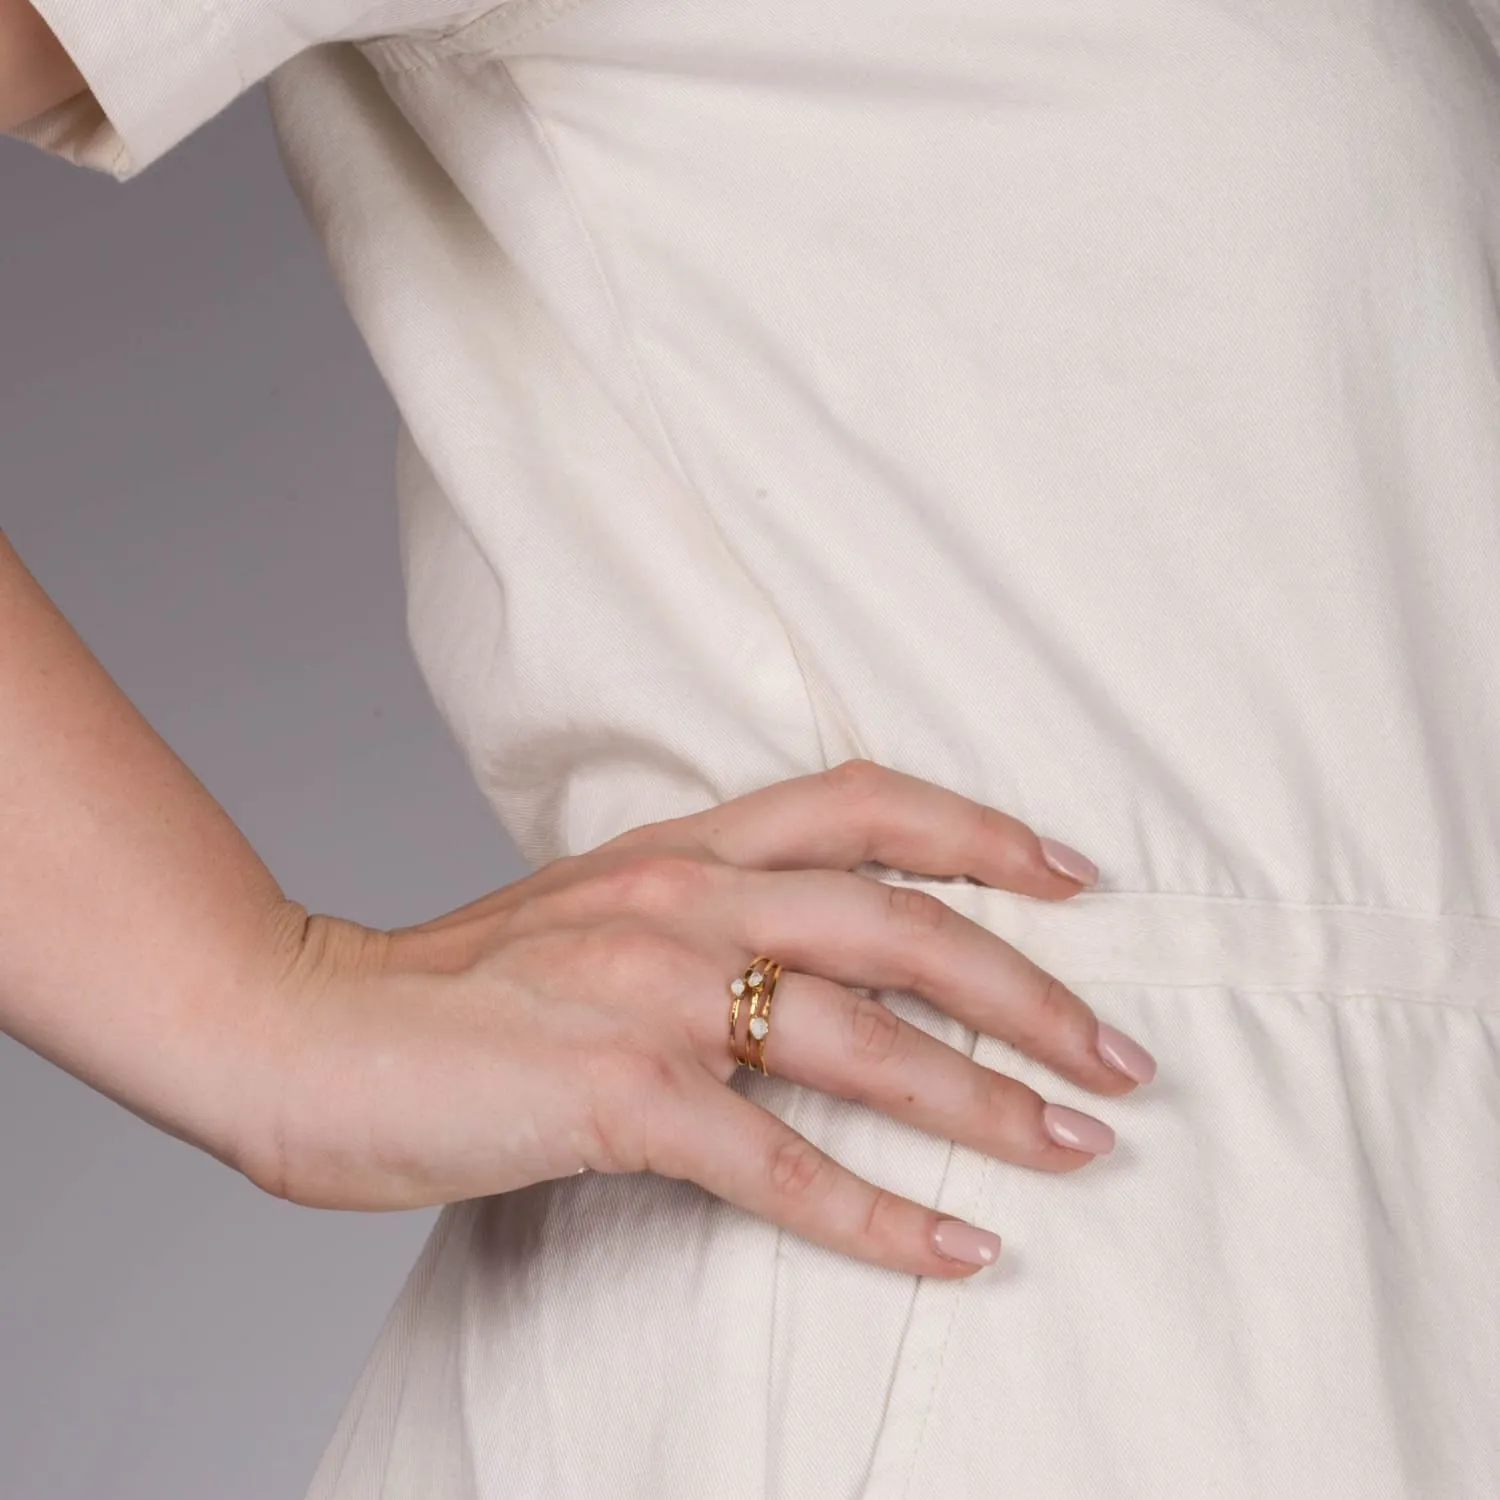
(311, 956)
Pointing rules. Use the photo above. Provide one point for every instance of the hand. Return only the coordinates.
(578, 1018)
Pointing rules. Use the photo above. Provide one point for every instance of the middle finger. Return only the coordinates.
(859, 931)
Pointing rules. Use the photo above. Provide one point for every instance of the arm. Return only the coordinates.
(139, 933)
(35, 72)
(566, 1021)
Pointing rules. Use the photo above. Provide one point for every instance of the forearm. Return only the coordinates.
(141, 938)
(35, 72)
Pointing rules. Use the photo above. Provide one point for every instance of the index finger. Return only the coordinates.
(860, 810)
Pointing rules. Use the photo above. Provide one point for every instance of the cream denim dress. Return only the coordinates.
(1093, 407)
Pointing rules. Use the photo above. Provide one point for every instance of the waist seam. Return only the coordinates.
(1188, 941)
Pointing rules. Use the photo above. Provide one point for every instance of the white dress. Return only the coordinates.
(1093, 408)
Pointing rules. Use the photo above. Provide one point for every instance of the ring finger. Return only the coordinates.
(857, 931)
(831, 1038)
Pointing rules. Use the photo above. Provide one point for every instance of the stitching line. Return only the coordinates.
(1447, 1000)
(957, 1289)
(1453, 999)
(1399, 913)
(653, 406)
(476, 40)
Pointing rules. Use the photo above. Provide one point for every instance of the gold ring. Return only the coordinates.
(759, 982)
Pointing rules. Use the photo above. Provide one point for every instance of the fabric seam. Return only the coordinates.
(957, 1290)
(795, 1107)
(1312, 908)
(481, 38)
(1445, 999)
(653, 404)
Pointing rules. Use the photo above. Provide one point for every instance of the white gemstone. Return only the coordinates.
(756, 977)
(738, 987)
(759, 1027)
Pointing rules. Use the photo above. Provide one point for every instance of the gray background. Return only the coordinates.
(196, 462)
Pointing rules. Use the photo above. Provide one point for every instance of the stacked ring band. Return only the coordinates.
(759, 982)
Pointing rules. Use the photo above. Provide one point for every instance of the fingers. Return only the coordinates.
(860, 810)
(829, 1038)
(711, 1135)
(863, 932)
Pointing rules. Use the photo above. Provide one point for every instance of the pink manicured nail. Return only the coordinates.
(959, 1241)
(1069, 862)
(1069, 1127)
(1126, 1056)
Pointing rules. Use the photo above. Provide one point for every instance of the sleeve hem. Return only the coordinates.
(155, 72)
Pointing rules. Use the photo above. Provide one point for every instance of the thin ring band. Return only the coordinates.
(747, 983)
(760, 1033)
(759, 979)
(737, 987)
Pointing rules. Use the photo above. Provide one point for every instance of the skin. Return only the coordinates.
(35, 72)
(575, 1019)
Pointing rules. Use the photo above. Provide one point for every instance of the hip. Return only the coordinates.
(1278, 1284)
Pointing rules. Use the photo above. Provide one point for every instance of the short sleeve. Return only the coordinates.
(157, 69)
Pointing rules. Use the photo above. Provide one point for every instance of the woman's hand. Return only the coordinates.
(579, 1019)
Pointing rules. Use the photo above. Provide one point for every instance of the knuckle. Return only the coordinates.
(1003, 1101)
(1055, 1002)
(660, 881)
(797, 1167)
(875, 1032)
(857, 780)
(989, 820)
(994, 825)
(915, 911)
(882, 1216)
(1059, 1012)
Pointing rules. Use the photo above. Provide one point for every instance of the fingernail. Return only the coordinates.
(1070, 1127)
(959, 1241)
(1126, 1056)
(1069, 862)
